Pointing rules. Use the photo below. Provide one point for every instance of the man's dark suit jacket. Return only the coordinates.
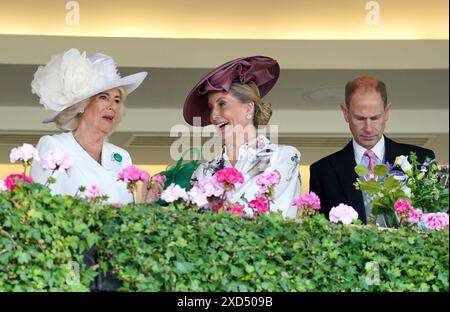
(332, 177)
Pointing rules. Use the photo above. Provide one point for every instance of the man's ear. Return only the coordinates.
(387, 110)
(344, 111)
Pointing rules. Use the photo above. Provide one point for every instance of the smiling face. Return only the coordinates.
(366, 116)
(229, 114)
(102, 113)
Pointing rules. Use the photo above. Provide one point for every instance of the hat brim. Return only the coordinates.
(196, 104)
(128, 83)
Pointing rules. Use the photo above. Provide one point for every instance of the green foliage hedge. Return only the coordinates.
(152, 248)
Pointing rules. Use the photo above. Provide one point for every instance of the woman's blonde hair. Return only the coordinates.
(69, 119)
(250, 92)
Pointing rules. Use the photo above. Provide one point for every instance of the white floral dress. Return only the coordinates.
(255, 158)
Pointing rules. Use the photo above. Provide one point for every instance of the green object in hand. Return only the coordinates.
(180, 173)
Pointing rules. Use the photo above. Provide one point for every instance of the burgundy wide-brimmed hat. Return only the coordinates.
(262, 70)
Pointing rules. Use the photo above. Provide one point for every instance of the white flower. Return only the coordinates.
(198, 197)
(3, 187)
(211, 187)
(406, 190)
(24, 153)
(56, 160)
(71, 77)
(403, 162)
(173, 193)
(400, 178)
(343, 213)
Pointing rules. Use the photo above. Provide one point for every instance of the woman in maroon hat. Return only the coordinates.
(229, 97)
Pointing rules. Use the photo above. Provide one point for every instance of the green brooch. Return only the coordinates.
(117, 157)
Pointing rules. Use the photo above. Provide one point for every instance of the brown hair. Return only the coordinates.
(365, 84)
(250, 92)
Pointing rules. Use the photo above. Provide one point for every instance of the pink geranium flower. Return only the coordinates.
(229, 175)
(56, 160)
(267, 180)
(260, 205)
(237, 209)
(12, 180)
(403, 206)
(343, 213)
(133, 174)
(436, 221)
(415, 215)
(310, 200)
(94, 192)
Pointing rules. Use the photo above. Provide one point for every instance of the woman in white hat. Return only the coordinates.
(86, 96)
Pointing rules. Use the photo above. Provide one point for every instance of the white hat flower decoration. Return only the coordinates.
(71, 77)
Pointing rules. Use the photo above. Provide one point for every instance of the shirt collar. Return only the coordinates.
(378, 149)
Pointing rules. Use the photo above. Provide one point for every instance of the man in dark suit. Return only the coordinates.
(366, 110)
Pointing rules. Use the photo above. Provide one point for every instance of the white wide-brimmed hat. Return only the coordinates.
(71, 77)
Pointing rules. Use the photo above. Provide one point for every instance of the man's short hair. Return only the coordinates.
(365, 84)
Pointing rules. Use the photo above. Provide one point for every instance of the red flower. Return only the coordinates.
(229, 175)
(260, 204)
(14, 179)
(237, 209)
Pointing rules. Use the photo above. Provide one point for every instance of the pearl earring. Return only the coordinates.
(249, 116)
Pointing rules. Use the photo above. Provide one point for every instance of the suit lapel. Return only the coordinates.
(344, 164)
(391, 150)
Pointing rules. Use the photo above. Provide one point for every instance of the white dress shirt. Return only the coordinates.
(85, 171)
(379, 151)
(255, 158)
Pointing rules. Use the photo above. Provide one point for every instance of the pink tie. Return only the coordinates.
(372, 160)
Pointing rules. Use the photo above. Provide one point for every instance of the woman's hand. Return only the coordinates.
(151, 192)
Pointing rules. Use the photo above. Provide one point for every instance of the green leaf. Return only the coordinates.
(361, 170)
(23, 257)
(32, 213)
(181, 242)
(371, 187)
(381, 170)
(92, 239)
(391, 183)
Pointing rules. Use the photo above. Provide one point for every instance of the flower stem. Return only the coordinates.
(47, 183)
